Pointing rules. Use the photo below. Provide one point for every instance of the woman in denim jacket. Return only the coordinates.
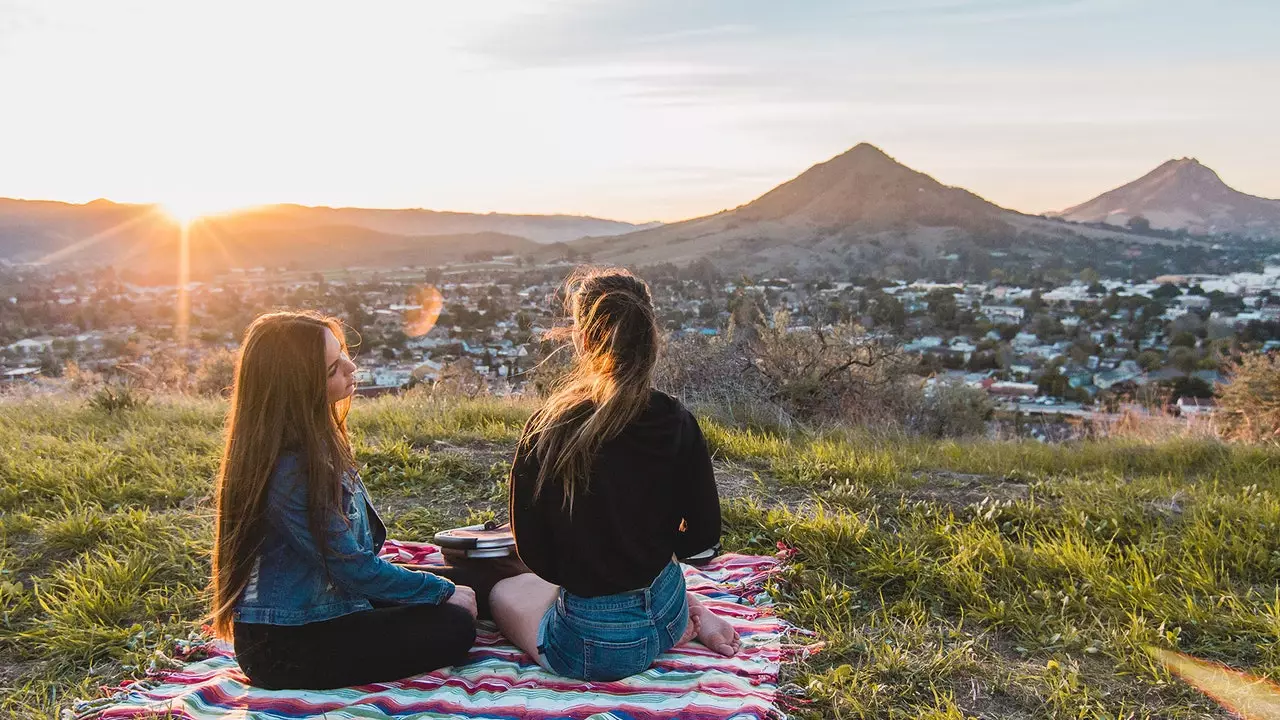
(611, 483)
(297, 582)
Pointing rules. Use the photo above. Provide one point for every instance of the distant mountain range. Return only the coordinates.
(1183, 194)
(142, 238)
(839, 214)
(861, 210)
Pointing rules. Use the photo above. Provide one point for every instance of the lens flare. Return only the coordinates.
(1250, 697)
(419, 321)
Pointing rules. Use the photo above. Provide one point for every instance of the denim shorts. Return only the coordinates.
(614, 636)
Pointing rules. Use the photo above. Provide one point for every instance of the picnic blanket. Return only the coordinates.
(499, 681)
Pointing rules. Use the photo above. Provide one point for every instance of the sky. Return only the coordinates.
(634, 110)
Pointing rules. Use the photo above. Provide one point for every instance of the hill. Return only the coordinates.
(1183, 195)
(946, 579)
(829, 215)
(143, 238)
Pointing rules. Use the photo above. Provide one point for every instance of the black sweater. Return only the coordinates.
(626, 526)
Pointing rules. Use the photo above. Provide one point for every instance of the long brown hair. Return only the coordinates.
(279, 402)
(616, 338)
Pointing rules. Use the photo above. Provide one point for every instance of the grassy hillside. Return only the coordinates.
(947, 579)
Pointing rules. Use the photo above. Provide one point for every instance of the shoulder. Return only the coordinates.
(661, 403)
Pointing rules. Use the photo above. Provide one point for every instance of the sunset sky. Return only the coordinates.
(632, 109)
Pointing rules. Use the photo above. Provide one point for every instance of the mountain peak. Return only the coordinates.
(865, 186)
(864, 154)
(1182, 193)
(1189, 168)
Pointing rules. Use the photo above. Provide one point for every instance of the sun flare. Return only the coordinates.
(185, 211)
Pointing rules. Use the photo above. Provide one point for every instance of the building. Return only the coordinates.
(1190, 407)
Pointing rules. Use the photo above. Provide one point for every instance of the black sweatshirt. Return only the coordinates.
(626, 526)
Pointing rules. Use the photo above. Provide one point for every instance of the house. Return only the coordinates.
(928, 342)
(17, 375)
(1025, 340)
(32, 346)
(1000, 314)
(1190, 407)
(1110, 378)
(1013, 389)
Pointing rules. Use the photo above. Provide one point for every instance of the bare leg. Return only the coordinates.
(518, 604)
(713, 631)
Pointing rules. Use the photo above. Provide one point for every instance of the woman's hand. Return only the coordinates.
(465, 598)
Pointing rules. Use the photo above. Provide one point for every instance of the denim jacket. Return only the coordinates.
(288, 584)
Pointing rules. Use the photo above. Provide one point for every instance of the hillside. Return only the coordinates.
(1183, 195)
(142, 238)
(946, 579)
(828, 216)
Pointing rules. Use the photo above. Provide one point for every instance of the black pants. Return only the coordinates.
(380, 645)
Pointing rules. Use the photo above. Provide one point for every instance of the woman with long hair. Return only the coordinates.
(297, 582)
(611, 483)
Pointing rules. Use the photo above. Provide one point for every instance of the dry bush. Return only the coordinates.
(825, 373)
(716, 377)
(460, 379)
(216, 372)
(78, 379)
(1249, 405)
(1152, 427)
(948, 410)
(774, 376)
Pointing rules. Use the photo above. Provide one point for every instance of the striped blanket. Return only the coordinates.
(499, 681)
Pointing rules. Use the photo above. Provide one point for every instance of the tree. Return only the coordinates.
(49, 365)
(942, 307)
(1189, 386)
(1150, 360)
(1138, 223)
(1183, 358)
(1089, 276)
(1167, 291)
(887, 310)
(1053, 383)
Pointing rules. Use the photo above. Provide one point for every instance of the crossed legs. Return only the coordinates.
(519, 602)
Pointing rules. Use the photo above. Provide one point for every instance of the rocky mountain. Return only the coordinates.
(857, 208)
(143, 238)
(1183, 194)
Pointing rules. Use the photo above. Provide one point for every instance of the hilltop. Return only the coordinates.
(1183, 195)
(946, 579)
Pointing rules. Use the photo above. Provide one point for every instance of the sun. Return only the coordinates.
(187, 210)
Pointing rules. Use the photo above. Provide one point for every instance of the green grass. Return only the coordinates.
(946, 579)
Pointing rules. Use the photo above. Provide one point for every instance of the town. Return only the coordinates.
(1067, 348)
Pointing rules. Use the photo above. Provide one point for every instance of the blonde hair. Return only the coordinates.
(615, 336)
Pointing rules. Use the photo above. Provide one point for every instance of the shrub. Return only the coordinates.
(1249, 405)
(216, 372)
(115, 398)
(952, 409)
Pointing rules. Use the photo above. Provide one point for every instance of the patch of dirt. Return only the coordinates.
(742, 481)
(454, 500)
(959, 490)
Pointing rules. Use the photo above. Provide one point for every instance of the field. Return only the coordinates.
(946, 579)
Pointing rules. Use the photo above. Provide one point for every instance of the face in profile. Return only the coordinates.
(341, 371)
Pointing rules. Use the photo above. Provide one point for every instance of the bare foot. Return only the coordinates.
(691, 627)
(714, 631)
